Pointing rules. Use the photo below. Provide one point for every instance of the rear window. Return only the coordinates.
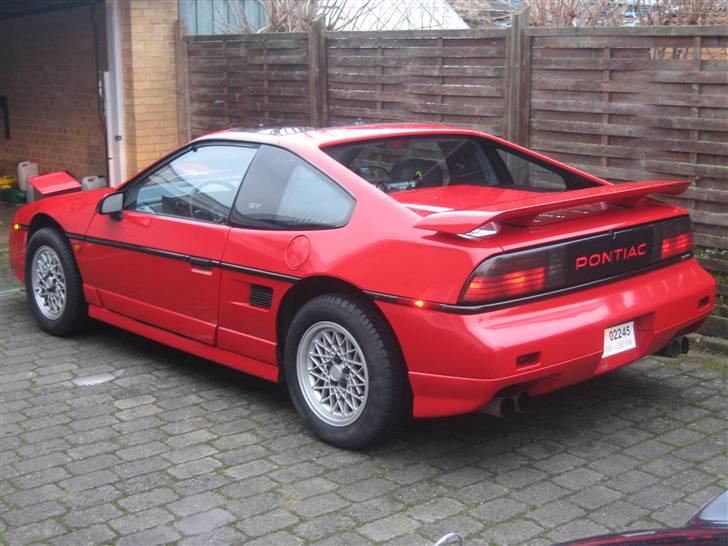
(402, 164)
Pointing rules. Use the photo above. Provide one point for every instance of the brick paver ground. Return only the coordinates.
(110, 438)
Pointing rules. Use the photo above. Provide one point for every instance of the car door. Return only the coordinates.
(158, 261)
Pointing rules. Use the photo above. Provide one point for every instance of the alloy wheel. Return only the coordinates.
(332, 373)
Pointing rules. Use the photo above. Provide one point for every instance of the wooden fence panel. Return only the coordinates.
(247, 80)
(634, 107)
(446, 77)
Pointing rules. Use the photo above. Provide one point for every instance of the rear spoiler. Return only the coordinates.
(523, 211)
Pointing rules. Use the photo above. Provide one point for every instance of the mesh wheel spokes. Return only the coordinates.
(332, 373)
(48, 283)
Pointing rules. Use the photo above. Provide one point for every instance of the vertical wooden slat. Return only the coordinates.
(606, 98)
(315, 35)
(440, 64)
(525, 88)
(380, 86)
(324, 78)
(695, 111)
(266, 84)
(226, 82)
(517, 79)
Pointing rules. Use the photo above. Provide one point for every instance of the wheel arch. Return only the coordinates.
(307, 289)
(43, 220)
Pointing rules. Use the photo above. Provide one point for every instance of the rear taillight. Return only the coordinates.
(675, 237)
(675, 246)
(509, 284)
(572, 263)
(514, 275)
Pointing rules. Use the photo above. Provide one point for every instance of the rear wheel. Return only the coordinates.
(53, 284)
(345, 374)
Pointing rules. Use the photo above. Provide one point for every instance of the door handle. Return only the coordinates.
(199, 262)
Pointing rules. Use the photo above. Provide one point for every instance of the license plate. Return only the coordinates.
(618, 339)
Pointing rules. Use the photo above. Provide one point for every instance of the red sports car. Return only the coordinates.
(381, 271)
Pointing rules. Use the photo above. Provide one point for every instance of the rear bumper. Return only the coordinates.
(457, 363)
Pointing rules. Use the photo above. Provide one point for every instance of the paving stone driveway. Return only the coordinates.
(110, 438)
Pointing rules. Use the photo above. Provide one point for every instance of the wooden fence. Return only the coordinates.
(622, 103)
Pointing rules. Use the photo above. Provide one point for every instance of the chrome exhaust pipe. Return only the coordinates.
(675, 347)
(522, 402)
(500, 406)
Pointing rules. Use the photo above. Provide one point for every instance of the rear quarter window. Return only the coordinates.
(282, 191)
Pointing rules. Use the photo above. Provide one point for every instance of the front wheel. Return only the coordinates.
(53, 284)
(345, 373)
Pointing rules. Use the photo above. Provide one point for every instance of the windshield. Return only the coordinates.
(410, 163)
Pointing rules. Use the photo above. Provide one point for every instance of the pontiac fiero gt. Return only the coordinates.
(381, 271)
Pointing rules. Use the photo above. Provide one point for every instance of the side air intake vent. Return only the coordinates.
(261, 296)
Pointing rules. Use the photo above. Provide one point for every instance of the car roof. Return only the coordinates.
(328, 136)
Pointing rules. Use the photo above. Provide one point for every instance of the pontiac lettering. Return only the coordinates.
(611, 256)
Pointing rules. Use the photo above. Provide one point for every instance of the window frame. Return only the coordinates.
(330, 179)
(132, 187)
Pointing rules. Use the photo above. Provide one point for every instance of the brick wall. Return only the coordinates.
(148, 56)
(48, 73)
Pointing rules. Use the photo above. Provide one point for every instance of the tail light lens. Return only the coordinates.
(674, 246)
(676, 237)
(514, 275)
(563, 265)
(508, 284)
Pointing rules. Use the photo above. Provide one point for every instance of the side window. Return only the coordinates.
(281, 191)
(529, 174)
(200, 184)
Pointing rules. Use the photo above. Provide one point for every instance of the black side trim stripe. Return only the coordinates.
(259, 272)
(138, 248)
(197, 261)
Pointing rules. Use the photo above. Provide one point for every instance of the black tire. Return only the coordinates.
(74, 316)
(388, 404)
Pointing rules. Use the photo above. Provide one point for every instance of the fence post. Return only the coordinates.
(183, 84)
(316, 68)
(518, 80)
(323, 79)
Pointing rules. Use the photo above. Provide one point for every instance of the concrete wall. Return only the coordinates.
(48, 73)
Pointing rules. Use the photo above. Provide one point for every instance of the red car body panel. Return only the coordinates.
(138, 275)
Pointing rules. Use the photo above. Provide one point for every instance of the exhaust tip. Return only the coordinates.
(674, 348)
(503, 407)
(684, 345)
(508, 408)
(522, 402)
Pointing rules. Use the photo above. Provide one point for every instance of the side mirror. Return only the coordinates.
(112, 204)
